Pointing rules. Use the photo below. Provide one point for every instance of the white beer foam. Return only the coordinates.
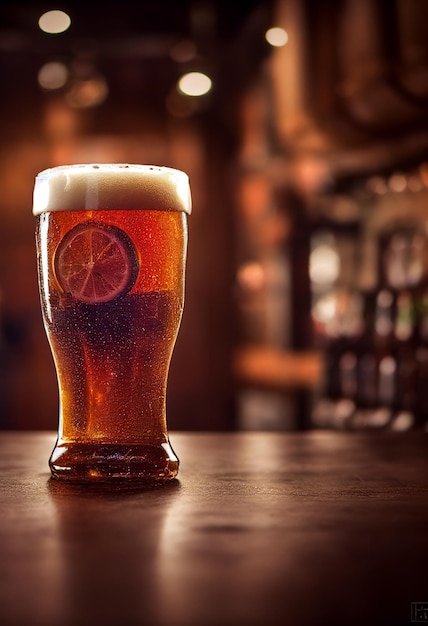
(111, 186)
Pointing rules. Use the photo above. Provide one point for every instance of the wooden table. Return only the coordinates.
(260, 529)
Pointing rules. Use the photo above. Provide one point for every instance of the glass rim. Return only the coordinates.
(103, 186)
(99, 166)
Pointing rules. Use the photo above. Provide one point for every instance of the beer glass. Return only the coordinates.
(111, 247)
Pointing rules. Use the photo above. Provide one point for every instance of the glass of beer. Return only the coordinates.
(111, 247)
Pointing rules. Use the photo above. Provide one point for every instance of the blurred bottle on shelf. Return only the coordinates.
(337, 400)
(421, 358)
(405, 337)
(376, 364)
(381, 375)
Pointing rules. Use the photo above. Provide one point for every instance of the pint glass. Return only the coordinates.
(111, 248)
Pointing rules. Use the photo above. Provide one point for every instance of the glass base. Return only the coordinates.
(105, 462)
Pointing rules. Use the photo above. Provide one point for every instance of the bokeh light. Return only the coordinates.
(53, 75)
(54, 22)
(194, 84)
(88, 93)
(276, 36)
(183, 51)
(324, 265)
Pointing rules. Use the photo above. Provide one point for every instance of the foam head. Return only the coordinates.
(111, 187)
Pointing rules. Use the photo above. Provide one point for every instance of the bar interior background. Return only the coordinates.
(307, 291)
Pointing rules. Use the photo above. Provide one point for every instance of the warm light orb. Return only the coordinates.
(276, 36)
(251, 276)
(194, 84)
(84, 94)
(183, 51)
(53, 75)
(324, 265)
(54, 22)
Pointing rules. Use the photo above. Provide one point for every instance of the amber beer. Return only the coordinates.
(111, 248)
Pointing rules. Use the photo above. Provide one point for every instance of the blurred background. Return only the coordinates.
(303, 127)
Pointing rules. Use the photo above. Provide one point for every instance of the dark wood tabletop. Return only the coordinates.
(260, 529)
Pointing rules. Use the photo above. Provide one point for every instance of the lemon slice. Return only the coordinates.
(96, 263)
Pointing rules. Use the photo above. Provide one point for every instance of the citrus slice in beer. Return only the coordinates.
(96, 263)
